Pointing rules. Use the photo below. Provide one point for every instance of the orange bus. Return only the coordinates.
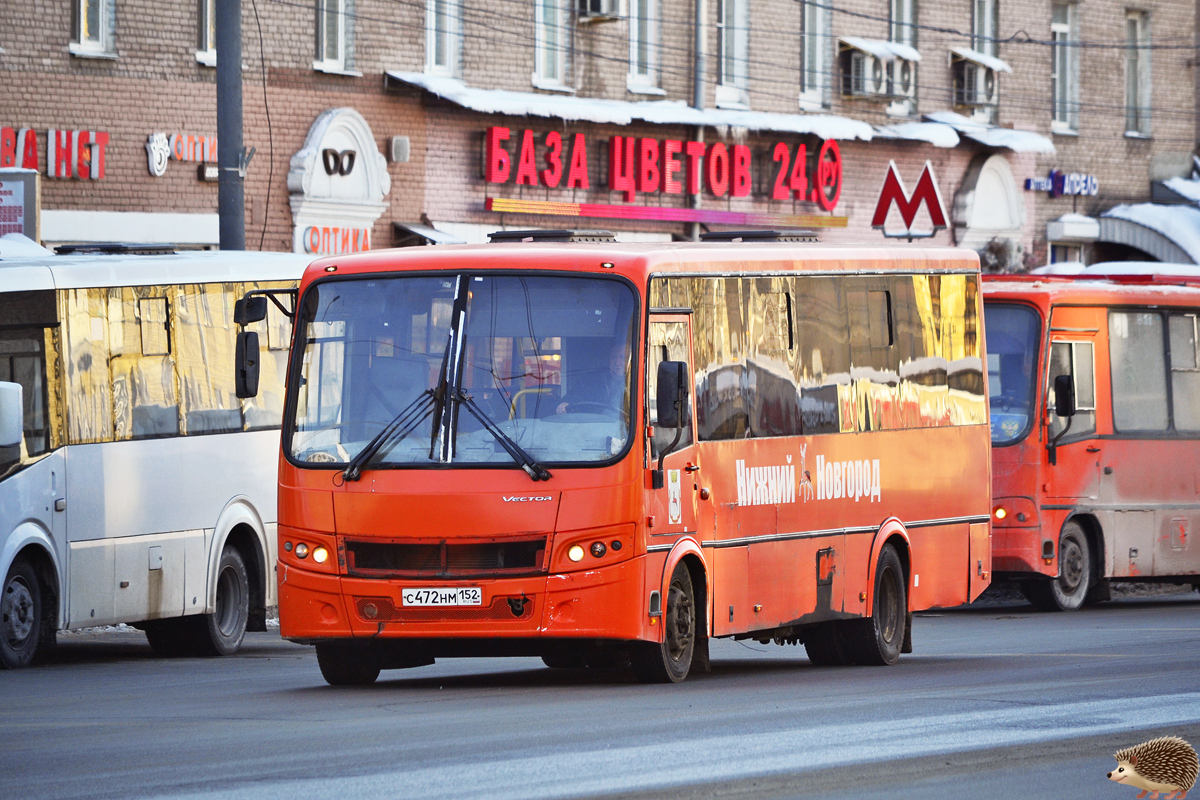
(1095, 406)
(603, 453)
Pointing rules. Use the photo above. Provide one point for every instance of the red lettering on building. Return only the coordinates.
(717, 162)
(498, 162)
(648, 172)
(577, 177)
(671, 164)
(926, 192)
(83, 154)
(621, 166)
(8, 147)
(527, 174)
(554, 166)
(27, 147)
(828, 181)
(741, 170)
(58, 154)
(99, 142)
(695, 152)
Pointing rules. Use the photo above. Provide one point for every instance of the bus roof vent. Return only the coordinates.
(114, 248)
(551, 236)
(794, 235)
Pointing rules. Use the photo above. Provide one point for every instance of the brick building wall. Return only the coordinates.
(156, 84)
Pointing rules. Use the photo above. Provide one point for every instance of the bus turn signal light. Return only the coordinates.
(301, 550)
(598, 549)
(320, 555)
(575, 553)
(999, 512)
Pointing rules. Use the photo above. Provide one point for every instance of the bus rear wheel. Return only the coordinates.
(21, 621)
(221, 632)
(670, 660)
(877, 640)
(347, 665)
(1068, 591)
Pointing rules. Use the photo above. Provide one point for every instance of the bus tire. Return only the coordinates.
(222, 631)
(564, 660)
(170, 638)
(878, 639)
(21, 615)
(347, 665)
(1068, 591)
(670, 660)
(823, 644)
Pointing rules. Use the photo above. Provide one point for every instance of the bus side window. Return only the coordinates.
(1074, 359)
(668, 342)
(1139, 383)
(1185, 371)
(204, 338)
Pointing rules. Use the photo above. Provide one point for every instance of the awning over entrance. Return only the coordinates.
(408, 234)
(1167, 232)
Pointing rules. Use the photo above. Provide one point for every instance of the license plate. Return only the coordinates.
(458, 596)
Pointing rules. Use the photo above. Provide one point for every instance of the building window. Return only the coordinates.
(1064, 69)
(902, 73)
(1137, 74)
(733, 28)
(643, 45)
(335, 42)
(206, 41)
(443, 42)
(92, 28)
(552, 41)
(815, 48)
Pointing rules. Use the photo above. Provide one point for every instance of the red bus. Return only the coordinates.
(603, 453)
(1095, 409)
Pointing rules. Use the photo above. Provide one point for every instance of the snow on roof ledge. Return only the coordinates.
(935, 133)
(992, 136)
(1178, 225)
(884, 51)
(623, 112)
(991, 62)
(1183, 187)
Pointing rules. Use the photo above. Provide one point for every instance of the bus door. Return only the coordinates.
(1075, 335)
(672, 508)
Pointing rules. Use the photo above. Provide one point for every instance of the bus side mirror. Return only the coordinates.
(250, 309)
(246, 355)
(672, 394)
(1064, 396)
(11, 413)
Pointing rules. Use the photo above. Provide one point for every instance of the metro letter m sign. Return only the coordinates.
(894, 192)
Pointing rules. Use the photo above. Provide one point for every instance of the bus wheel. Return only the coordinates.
(877, 640)
(169, 638)
(1068, 591)
(21, 620)
(347, 665)
(221, 632)
(823, 644)
(670, 661)
(564, 660)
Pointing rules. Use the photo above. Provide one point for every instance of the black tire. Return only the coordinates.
(221, 632)
(824, 645)
(878, 640)
(22, 622)
(564, 660)
(170, 638)
(347, 665)
(1068, 591)
(670, 660)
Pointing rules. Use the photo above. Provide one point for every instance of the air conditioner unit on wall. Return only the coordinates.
(862, 74)
(902, 78)
(598, 10)
(975, 84)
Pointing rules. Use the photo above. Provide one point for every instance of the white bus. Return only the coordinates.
(134, 485)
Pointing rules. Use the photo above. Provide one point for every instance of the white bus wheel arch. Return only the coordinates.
(241, 525)
(31, 541)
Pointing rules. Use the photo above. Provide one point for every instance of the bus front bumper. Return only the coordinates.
(603, 603)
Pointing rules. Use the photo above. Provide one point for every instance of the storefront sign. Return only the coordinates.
(334, 241)
(926, 193)
(69, 154)
(670, 166)
(1058, 184)
(185, 147)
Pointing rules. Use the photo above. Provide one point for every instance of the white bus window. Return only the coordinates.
(1074, 359)
(1185, 372)
(1135, 340)
(205, 338)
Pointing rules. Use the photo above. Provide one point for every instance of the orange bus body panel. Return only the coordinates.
(808, 560)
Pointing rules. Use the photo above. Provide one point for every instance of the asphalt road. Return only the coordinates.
(999, 701)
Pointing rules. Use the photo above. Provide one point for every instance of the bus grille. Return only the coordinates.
(382, 609)
(388, 559)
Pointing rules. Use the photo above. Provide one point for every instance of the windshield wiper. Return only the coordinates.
(394, 432)
(525, 461)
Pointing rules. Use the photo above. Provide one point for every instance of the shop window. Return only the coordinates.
(443, 42)
(1135, 340)
(206, 28)
(815, 49)
(335, 36)
(733, 31)
(1060, 253)
(1137, 73)
(1074, 359)
(92, 28)
(1064, 68)
(643, 46)
(1185, 371)
(552, 40)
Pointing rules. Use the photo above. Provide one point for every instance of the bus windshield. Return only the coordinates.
(1013, 335)
(545, 360)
